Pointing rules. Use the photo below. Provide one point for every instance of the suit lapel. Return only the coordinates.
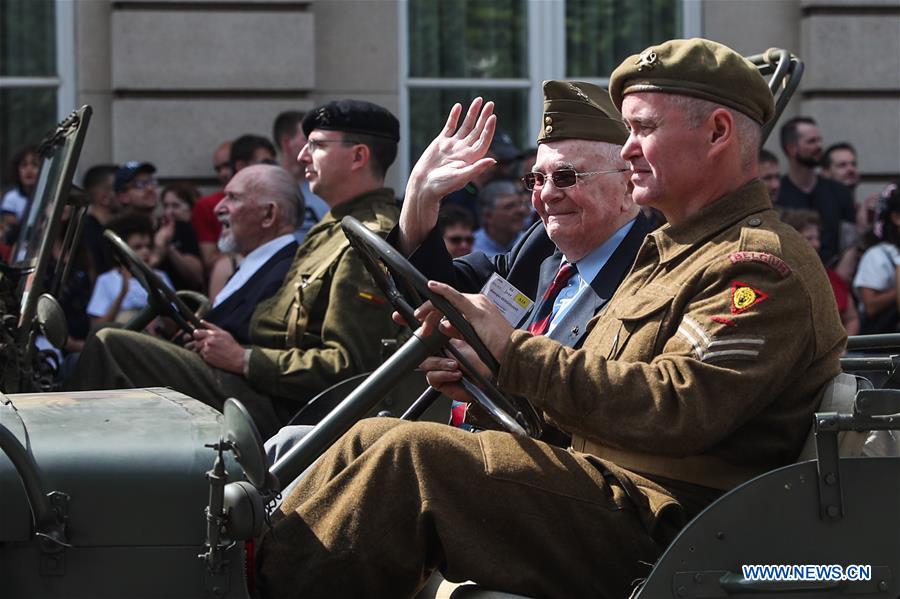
(571, 329)
(619, 264)
(239, 297)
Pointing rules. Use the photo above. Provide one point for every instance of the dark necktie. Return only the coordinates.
(542, 319)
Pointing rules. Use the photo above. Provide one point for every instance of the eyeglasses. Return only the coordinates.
(315, 144)
(144, 183)
(564, 177)
(458, 239)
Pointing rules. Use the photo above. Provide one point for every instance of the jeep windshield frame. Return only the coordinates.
(33, 250)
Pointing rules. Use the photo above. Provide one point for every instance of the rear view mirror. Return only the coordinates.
(51, 320)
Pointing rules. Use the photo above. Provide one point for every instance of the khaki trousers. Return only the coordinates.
(393, 500)
(119, 359)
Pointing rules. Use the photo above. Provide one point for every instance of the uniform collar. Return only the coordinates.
(362, 201)
(672, 241)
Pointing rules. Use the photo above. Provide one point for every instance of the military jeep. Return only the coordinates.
(149, 493)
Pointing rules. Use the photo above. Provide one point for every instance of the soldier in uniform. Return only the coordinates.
(326, 321)
(703, 371)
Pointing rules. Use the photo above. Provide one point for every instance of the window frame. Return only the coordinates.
(64, 82)
(546, 21)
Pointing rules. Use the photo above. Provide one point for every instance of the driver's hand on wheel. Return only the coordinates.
(492, 328)
(218, 348)
(443, 372)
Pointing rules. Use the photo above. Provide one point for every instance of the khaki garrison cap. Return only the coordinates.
(699, 68)
(577, 110)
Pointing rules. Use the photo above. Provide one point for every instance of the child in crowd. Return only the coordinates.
(117, 296)
(808, 224)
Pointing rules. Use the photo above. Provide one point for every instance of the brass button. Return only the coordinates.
(548, 120)
(754, 222)
(549, 128)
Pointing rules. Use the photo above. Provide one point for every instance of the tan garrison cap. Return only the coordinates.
(577, 110)
(699, 68)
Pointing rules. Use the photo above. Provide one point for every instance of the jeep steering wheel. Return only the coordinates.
(159, 295)
(388, 267)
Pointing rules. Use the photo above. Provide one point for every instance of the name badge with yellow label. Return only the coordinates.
(511, 302)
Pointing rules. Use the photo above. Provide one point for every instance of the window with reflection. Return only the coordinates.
(600, 33)
(458, 49)
(28, 72)
(466, 42)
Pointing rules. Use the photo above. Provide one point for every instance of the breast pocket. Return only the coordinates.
(641, 318)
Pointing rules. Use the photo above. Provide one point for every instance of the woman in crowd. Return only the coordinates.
(175, 248)
(875, 282)
(24, 173)
(456, 226)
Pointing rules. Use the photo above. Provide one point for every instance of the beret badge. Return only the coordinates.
(322, 116)
(579, 92)
(647, 60)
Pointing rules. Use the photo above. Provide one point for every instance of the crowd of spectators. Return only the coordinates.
(178, 233)
(856, 238)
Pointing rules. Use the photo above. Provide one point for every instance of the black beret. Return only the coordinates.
(579, 110)
(353, 116)
(699, 68)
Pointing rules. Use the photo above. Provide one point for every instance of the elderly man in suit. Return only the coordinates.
(589, 232)
(580, 190)
(264, 240)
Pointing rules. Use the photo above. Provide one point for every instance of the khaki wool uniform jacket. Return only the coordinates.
(707, 367)
(343, 316)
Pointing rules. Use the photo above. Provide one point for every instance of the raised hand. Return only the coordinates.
(455, 157)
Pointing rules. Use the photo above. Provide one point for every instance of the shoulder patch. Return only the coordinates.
(763, 258)
(744, 297)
